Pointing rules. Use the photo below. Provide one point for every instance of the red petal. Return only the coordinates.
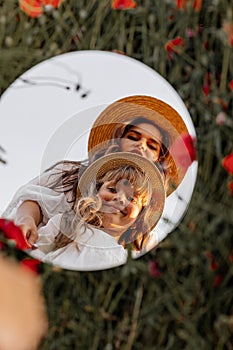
(227, 163)
(231, 187)
(183, 151)
(53, 3)
(217, 281)
(11, 231)
(123, 4)
(31, 264)
(32, 8)
(231, 85)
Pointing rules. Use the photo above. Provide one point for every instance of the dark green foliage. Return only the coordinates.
(127, 308)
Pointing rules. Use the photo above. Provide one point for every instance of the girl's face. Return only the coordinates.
(143, 139)
(120, 206)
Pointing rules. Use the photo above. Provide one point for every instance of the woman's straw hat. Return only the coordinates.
(125, 110)
(128, 108)
(121, 159)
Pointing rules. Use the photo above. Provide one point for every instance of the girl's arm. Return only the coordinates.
(28, 217)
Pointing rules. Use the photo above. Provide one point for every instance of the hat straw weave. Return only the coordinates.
(125, 109)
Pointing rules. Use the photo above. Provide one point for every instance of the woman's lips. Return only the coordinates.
(137, 151)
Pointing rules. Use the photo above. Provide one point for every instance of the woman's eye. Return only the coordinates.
(132, 137)
(153, 147)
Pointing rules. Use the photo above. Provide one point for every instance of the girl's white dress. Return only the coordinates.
(93, 250)
(106, 252)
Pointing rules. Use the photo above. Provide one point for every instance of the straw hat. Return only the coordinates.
(118, 160)
(128, 108)
(125, 110)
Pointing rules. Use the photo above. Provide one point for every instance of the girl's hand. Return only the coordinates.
(29, 228)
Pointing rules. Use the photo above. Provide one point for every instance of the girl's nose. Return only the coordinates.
(121, 198)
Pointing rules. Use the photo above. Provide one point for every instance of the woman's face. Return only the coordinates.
(143, 139)
(120, 206)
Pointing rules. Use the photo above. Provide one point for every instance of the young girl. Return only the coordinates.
(120, 198)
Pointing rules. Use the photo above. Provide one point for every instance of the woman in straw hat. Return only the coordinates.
(139, 124)
(120, 198)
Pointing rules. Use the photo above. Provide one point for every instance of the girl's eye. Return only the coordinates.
(132, 199)
(112, 189)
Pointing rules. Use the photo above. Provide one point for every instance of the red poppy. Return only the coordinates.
(206, 85)
(231, 187)
(174, 45)
(154, 269)
(228, 27)
(11, 231)
(197, 5)
(231, 85)
(53, 3)
(217, 281)
(34, 8)
(181, 4)
(31, 264)
(123, 4)
(183, 151)
(213, 263)
(227, 163)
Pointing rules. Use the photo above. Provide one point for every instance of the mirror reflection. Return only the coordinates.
(130, 190)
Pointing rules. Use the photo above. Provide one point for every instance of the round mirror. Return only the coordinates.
(47, 116)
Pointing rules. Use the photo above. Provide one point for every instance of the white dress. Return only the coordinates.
(93, 250)
(52, 202)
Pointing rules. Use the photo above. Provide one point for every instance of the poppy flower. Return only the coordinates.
(228, 28)
(206, 85)
(231, 85)
(34, 8)
(11, 231)
(227, 163)
(123, 4)
(53, 3)
(231, 187)
(154, 269)
(197, 4)
(174, 45)
(183, 151)
(31, 264)
(217, 281)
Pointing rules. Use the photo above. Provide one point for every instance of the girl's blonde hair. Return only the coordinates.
(87, 210)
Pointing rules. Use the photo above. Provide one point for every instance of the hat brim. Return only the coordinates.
(125, 109)
(120, 159)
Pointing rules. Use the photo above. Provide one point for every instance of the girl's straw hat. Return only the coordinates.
(121, 159)
(128, 108)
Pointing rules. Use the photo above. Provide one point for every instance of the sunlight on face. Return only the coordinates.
(120, 206)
